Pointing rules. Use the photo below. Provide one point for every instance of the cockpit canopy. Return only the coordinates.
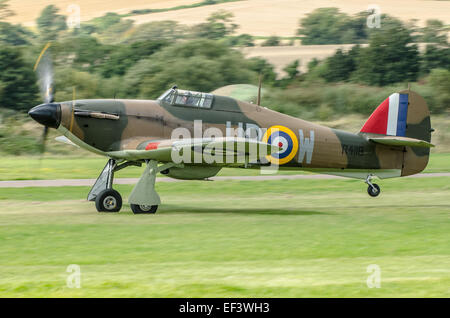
(179, 97)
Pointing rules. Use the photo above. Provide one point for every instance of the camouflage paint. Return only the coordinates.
(142, 121)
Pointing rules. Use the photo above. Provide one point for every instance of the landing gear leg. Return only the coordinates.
(144, 199)
(106, 198)
(373, 189)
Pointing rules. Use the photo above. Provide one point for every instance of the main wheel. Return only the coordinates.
(141, 209)
(108, 200)
(373, 191)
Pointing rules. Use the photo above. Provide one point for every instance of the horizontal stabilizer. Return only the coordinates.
(401, 141)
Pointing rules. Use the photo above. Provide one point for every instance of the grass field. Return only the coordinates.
(286, 238)
(51, 167)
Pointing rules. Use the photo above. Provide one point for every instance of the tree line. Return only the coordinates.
(110, 56)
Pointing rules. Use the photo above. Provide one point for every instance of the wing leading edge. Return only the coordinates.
(227, 146)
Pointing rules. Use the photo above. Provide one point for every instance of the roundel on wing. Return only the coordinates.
(284, 138)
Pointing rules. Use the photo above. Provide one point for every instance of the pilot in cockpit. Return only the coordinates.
(188, 99)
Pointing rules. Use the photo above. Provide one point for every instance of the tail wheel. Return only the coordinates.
(143, 209)
(108, 200)
(373, 190)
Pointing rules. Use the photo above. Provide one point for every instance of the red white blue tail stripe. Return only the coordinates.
(390, 117)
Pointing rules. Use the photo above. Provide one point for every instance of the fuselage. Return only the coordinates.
(134, 123)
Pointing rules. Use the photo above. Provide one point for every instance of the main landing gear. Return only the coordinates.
(108, 200)
(143, 199)
(139, 208)
(373, 189)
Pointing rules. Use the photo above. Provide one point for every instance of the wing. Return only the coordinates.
(227, 146)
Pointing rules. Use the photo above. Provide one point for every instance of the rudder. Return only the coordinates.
(404, 114)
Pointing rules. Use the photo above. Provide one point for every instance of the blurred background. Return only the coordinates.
(327, 61)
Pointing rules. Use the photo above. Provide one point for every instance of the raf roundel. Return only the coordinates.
(285, 139)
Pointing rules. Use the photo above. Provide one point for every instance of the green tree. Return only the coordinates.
(440, 82)
(105, 22)
(14, 34)
(218, 25)
(354, 29)
(117, 33)
(390, 56)
(435, 57)
(5, 11)
(292, 73)
(87, 85)
(198, 65)
(312, 64)
(83, 52)
(241, 40)
(341, 65)
(156, 31)
(330, 26)
(109, 28)
(50, 23)
(261, 66)
(292, 69)
(272, 41)
(124, 56)
(323, 26)
(434, 32)
(19, 89)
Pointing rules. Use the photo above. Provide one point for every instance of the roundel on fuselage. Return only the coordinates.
(284, 138)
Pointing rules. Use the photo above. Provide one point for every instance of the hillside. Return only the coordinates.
(265, 18)
(256, 17)
(280, 56)
(28, 10)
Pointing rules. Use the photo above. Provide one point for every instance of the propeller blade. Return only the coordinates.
(44, 139)
(44, 69)
(73, 110)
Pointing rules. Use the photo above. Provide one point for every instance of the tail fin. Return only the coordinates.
(404, 114)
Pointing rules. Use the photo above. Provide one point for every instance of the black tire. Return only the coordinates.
(373, 191)
(108, 200)
(143, 209)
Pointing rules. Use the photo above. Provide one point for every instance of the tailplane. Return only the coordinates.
(405, 117)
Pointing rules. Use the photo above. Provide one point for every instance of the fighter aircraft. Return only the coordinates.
(192, 135)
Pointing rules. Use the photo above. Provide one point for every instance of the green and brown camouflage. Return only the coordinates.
(192, 135)
(113, 128)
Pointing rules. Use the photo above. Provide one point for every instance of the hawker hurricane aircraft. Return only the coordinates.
(192, 135)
